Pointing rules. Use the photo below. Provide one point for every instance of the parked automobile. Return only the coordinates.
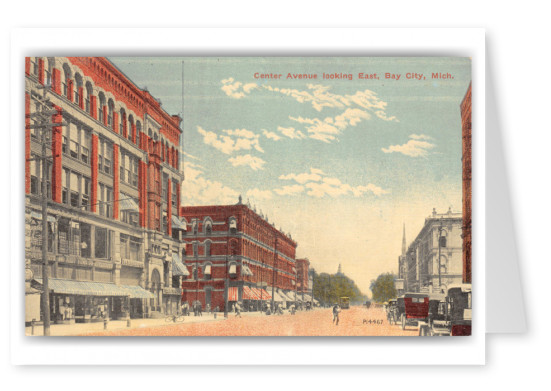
(459, 301)
(451, 315)
(416, 309)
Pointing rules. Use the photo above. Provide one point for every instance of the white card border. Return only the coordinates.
(246, 351)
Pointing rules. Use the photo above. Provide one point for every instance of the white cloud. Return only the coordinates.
(313, 176)
(245, 140)
(259, 194)
(197, 190)
(191, 156)
(236, 89)
(420, 137)
(271, 135)
(319, 185)
(253, 162)
(290, 190)
(326, 130)
(291, 132)
(415, 147)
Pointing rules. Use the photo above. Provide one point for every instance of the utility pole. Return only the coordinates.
(439, 249)
(274, 274)
(43, 121)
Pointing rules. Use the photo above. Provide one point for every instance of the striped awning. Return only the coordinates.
(245, 271)
(178, 268)
(307, 297)
(249, 294)
(84, 288)
(128, 204)
(178, 224)
(137, 292)
(38, 216)
(233, 294)
(266, 295)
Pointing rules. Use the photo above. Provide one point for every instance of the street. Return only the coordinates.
(356, 321)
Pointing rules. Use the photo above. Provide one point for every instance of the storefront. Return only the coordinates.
(86, 301)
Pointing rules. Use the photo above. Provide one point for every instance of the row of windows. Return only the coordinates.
(70, 237)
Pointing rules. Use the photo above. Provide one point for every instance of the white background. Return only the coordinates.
(518, 55)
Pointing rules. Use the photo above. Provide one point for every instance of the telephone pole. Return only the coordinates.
(43, 121)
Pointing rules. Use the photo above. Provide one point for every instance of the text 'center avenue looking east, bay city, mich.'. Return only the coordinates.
(248, 196)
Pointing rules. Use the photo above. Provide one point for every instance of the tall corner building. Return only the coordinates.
(113, 190)
(235, 255)
(467, 183)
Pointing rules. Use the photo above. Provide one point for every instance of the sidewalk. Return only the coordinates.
(84, 328)
(57, 330)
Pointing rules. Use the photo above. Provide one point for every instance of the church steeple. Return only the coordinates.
(339, 271)
(404, 241)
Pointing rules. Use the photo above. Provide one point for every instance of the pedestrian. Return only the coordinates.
(200, 308)
(208, 309)
(336, 310)
(237, 310)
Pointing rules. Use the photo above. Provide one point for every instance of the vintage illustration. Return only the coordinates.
(248, 196)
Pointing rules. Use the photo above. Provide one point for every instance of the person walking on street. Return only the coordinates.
(336, 310)
(237, 310)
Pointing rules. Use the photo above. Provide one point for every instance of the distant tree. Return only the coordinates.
(328, 288)
(383, 288)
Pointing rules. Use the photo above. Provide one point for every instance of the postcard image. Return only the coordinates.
(248, 196)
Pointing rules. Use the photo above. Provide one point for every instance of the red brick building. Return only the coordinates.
(232, 250)
(467, 180)
(304, 290)
(113, 189)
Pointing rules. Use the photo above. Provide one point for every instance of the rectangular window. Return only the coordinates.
(74, 185)
(64, 186)
(174, 196)
(85, 146)
(74, 137)
(85, 193)
(85, 240)
(101, 205)
(102, 243)
(135, 249)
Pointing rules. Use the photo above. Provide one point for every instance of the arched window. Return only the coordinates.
(66, 82)
(130, 126)
(138, 132)
(89, 93)
(194, 227)
(48, 78)
(207, 226)
(122, 123)
(102, 103)
(78, 88)
(233, 225)
(207, 271)
(207, 248)
(111, 109)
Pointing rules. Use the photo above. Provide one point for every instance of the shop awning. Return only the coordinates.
(178, 224)
(38, 216)
(290, 295)
(137, 292)
(249, 294)
(233, 294)
(245, 271)
(307, 297)
(263, 294)
(178, 268)
(84, 288)
(279, 297)
(128, 204)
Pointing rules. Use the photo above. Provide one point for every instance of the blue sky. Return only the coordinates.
(340, 164)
